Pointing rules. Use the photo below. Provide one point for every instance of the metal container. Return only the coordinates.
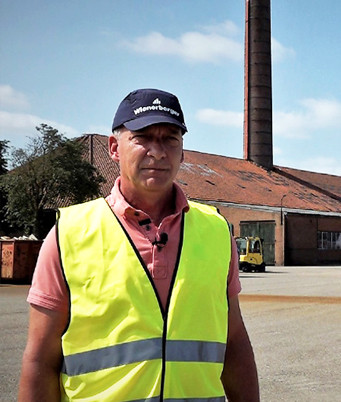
(18, 259)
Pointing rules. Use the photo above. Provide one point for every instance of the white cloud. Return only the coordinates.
(104, 130)
(220, 117)
(214, 45)
(280, 52)
(16, 127)
(290, 124)
(223, 28)
(12, 99)
(323, 112)
(277, 150)
(320, 164)
(314, 115)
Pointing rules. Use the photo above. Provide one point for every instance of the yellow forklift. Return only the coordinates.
(251, 254)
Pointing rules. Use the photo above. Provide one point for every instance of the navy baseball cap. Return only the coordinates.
(144, 107)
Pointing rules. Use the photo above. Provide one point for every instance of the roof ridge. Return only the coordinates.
(308, 171)
(278, 170)
(95, 136)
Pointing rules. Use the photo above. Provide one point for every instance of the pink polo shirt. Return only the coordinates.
(49, 289)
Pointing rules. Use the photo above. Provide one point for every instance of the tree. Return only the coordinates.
(50, 169)
(3, 159)
(3, 170)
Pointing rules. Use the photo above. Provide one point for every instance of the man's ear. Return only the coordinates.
(182, 157)
(113, 148)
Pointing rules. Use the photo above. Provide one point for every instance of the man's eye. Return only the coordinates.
(139, 137)
(173, 140)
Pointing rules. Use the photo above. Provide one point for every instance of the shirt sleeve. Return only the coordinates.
(234, 286)
(48, 287)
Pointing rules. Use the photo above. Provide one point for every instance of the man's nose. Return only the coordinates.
(156, 150)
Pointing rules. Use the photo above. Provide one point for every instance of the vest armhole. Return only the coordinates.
(230, 227)
(63, 272)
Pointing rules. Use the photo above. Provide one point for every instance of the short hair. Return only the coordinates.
(116, 133)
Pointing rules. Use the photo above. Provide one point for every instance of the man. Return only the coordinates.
(134, 296)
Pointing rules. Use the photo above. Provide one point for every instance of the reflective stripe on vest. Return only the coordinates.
(157, 399)
(120, 345)
(219, 399)
(147, 349)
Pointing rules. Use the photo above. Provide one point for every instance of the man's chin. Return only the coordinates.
(156, 184)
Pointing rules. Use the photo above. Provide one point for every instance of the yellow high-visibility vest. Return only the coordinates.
(120, 344)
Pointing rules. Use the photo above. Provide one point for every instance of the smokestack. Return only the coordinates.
(258, 86)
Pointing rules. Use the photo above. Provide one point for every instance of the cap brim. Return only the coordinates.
(143, 122)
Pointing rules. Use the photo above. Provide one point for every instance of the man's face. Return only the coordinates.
(149, 159)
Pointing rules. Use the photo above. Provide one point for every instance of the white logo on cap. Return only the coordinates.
(156, 106)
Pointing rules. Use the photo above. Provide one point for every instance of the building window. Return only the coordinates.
(329, 240)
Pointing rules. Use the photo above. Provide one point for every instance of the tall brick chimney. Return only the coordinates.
(258, 85)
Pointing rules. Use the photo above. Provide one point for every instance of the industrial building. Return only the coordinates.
(297, 213)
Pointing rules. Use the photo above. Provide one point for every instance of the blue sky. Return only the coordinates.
(69, 64)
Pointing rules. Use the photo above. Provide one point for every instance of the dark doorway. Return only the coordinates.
(266, 231)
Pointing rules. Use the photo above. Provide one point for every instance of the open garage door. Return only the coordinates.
(266, 231)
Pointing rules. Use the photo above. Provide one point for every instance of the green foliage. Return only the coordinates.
(49, 169)
(3, 159)
(3, 199)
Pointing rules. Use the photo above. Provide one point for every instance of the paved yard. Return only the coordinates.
(293, 316)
